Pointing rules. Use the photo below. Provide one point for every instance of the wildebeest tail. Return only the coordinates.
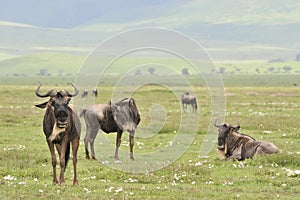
(67, 156)
(195, 103)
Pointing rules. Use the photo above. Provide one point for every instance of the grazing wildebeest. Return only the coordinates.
(236, 146)
(119, 117)
(186, 99)
(61, 126)
(85, 93)
(95, 92)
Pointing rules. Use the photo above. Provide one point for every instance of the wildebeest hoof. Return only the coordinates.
(94, 158)
(75, 182)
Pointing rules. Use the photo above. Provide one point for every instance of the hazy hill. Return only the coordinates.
(228, 29)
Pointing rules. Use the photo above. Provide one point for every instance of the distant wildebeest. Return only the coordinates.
(61, 127)
(119, 117)
(85, 93)
(186, 99)
(95, 92)
(236, 146)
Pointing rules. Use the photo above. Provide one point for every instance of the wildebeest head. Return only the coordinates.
(125, 114)
(58, 102)
(224, 130)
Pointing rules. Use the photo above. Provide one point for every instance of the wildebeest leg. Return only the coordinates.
(90, 138)
(237, 154)
(131, 140)
(118, 143)
(64, 144)
(86, 142)
(52, 151)
(93, 136)
(75, 145)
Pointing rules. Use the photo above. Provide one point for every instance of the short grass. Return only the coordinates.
(268, 113)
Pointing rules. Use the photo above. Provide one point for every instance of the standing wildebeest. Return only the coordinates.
(95, 92)
(237, 146)
(61, 126)
(119, 117)
(85, 93)
(186, 99)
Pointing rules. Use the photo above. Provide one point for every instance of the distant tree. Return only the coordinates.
(298, 57)
(222, 70)
(151, 70)
(60, 72)
(287, 69)
(271, 69)
(185, 72)
(137, 72)
(43, 72)
(275, 60)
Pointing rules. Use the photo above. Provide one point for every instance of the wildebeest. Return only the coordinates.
(236, 146)
(61, 127)
(95, 92)
(187, 98)
(119, 117)
(85, 93)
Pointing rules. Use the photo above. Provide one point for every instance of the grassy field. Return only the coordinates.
(269, 112)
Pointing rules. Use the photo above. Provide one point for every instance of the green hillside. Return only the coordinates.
(49, 63)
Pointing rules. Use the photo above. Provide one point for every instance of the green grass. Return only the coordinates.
(268, 113)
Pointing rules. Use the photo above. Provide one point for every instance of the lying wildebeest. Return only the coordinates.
(61, 126)
(236, 146)
(187, 98)
(85, 93)
(119, 117)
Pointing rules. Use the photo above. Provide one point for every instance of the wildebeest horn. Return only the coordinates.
(49, 93)
(75, 91)
(216, 124)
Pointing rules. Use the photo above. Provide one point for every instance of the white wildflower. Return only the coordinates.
(209, 183)
(120, 189)
(176, 177)
(10, 178)
(87, 190)
(110, 189)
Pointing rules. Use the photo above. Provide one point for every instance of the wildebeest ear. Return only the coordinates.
(42, 105)
(111, 103)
